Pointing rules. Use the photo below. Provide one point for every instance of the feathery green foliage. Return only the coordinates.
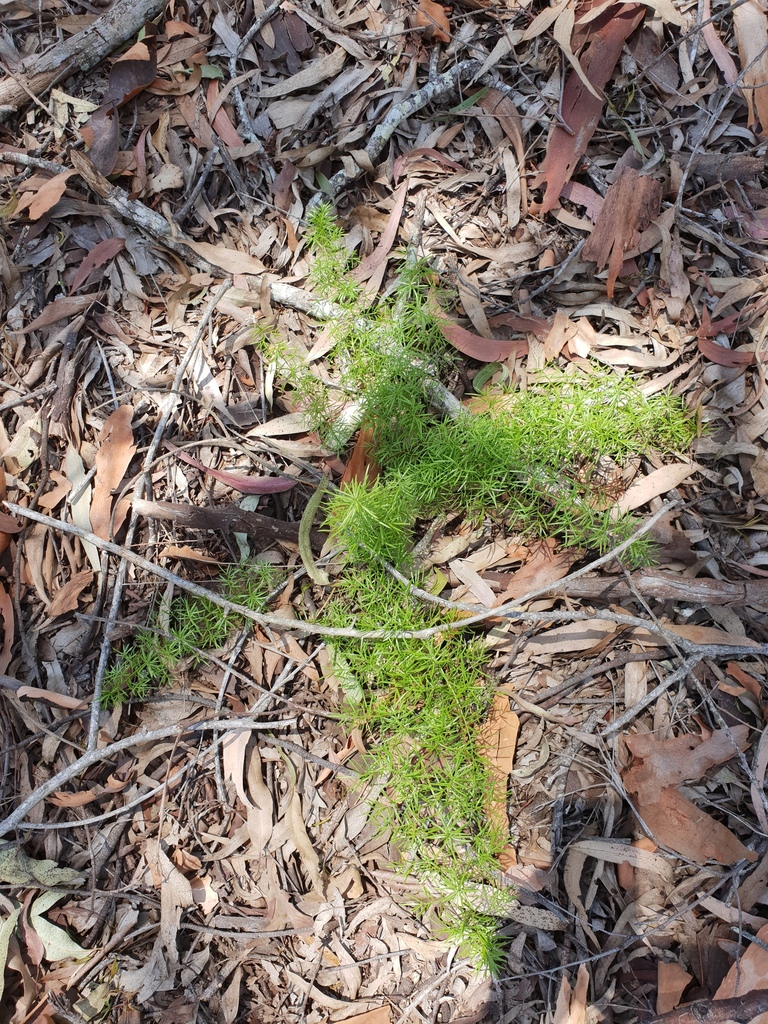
(421, 703)
(530, 459)
(151, 660)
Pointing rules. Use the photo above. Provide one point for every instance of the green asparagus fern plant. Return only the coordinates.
(152, 660)
(528, 458)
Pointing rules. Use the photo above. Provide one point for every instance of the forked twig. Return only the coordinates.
(96, 756)
(508, 611)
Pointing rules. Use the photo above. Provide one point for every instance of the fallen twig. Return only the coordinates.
(508, 611)
(144, 484)
(716, 1011)
(650, 698)
(241, 722)
(36, 74)
(440, 85)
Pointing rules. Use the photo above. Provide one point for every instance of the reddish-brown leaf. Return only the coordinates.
(7, 628)
(65, 598)
(362, 463)
(581, 110)
(674, 820)
(728, 325)
(538, 325)
(683, 827)
(750, 25)
(373, 261)
(281, 186)
(504, 110)
(116, 449)
(405, 161)
(486, 350)
(244, 484)
(725, 356)
(97, 257)
(631, 203)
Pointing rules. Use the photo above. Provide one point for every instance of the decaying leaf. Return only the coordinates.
(115, 453)
(48, 195)
(97, 257)
(135, 69)
(660, 481)
(631, 203)
(65, 598)
(56, 942)
(8, 625)
(749, 972)
(750, 24)
(571, 1005)
(671, 818)
(580, 106)
(497, 743)
(673, 981)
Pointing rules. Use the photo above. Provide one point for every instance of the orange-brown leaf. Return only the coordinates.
(433, 19)
(48, 195)
(362, 465)
(581, 109)
(112, 460)
(679, 824)
(677, 759)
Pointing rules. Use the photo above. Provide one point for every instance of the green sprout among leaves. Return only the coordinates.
(152, 660)
(531, 458)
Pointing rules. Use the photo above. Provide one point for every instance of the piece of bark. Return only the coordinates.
(36, 74)
(226, 519)
(669, 586)
(631, 203)
(716, 1011)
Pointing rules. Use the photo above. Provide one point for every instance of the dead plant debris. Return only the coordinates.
(586, 183)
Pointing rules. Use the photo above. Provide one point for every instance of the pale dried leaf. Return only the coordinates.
(659, 482)
(576, 636)
(750, 25)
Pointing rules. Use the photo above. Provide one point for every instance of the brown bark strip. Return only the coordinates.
(668, 586)
(226, 519)
(741, 1010)
(83, 51)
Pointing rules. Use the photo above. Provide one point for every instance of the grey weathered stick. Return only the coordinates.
(246, 123)
(36, 74)
(507, 611)
(650, 698)
(96, 756)
(440, 85)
